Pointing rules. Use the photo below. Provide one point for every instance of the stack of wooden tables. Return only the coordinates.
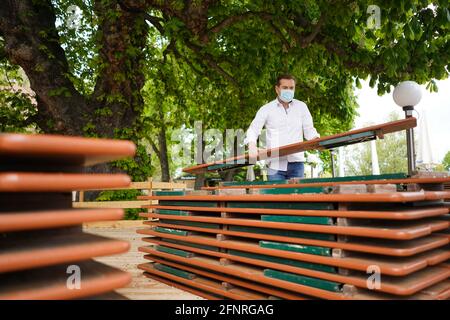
(43, 252)
(366, 237)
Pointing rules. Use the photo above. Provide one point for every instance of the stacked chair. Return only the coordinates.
(361, 237)
(44, 253)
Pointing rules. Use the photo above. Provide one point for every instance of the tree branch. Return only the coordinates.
(265, 16)
(237, 18)
(177, 54)
(280, 34)
(158, 4)
(209, 60)
(306, 41)
(154, 146)
(155, 21)
(343, 54)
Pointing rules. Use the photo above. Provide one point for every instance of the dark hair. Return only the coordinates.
(285, 76)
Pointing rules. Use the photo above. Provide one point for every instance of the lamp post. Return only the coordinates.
(407, 94)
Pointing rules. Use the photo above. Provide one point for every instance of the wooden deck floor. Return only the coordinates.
(141, 287)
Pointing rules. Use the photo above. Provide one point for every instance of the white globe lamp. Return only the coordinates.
(407, 94)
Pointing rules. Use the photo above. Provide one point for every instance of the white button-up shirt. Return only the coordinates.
(283, 126)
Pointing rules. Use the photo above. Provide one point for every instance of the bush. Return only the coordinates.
(123, 195)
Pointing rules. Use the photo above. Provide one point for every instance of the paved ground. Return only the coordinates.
(141, 287)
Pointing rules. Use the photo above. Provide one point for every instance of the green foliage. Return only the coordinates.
(122, 195)
(61, 91)
(446, 161)
(325, 158)
(89, 130)
(79, 43)
(104, 112)
(16, 101)
(391, 151)
(439, 168)
(140, 167)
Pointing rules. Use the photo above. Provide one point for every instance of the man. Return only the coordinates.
(287, 121)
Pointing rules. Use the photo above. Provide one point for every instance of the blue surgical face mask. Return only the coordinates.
(286, 95)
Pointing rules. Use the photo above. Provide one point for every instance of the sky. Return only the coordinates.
(376, 109)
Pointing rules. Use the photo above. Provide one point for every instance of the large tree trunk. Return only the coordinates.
(164, 156)
(160, 146)
(122, 41)
(32, 41)
(227, 175)
(200, 179)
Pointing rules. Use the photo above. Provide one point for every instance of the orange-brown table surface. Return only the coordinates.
(60, 182)
(65, 150)
(381, 129)
(50, 283)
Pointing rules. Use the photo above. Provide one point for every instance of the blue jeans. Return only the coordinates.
(294, 170)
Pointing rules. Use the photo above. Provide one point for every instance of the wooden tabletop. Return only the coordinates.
(359, 197)
(316, 144)
(64, 150)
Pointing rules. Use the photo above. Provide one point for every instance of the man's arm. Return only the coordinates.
(309, 131)
(253, 133)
